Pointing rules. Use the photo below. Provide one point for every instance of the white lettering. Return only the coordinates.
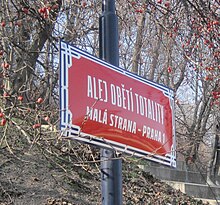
(97, 89)
(123, 124)
(97, 115)
(153, 134)
(89, 87)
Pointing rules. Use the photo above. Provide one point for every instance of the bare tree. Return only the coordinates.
(175, 43)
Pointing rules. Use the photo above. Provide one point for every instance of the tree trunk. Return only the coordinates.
(214, 163)
(138, 44)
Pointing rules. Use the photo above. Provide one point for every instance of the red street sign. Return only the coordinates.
(107, 106)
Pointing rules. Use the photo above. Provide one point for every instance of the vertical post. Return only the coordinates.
(111, 169)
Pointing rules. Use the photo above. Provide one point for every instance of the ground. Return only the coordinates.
(54, 174)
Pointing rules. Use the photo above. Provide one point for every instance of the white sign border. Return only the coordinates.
(69, 130)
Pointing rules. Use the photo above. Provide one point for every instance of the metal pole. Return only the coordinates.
(111, 169)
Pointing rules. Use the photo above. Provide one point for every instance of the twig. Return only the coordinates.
(22, 131)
